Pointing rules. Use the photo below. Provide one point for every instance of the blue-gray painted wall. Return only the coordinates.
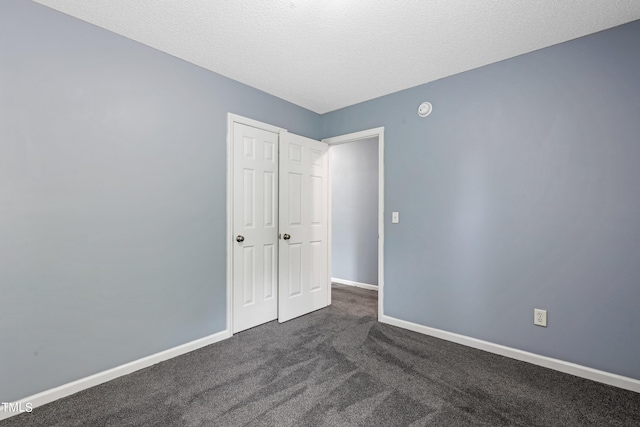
(112, 197)
(354, 211)
(521, 190)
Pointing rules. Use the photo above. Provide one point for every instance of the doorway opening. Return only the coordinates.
(356, 209)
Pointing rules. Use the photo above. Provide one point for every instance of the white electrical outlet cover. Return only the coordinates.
(540, 317)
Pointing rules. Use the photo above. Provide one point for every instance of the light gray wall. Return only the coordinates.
(521, 190)
(354, 211)
(112, 197)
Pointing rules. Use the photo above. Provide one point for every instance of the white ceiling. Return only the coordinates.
(328, 54)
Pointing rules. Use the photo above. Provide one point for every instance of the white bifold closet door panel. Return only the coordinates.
(303, 255)
(255, 224)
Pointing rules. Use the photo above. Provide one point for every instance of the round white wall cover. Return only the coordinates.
(425, 109)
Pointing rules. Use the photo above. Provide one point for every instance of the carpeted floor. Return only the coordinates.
(340, 367)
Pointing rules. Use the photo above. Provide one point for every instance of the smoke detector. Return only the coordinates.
(425, 109)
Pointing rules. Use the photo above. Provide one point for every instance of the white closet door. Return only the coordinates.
(303, 283)
(255, 224)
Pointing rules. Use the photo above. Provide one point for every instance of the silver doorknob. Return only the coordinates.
(286, 237)
(239, 238)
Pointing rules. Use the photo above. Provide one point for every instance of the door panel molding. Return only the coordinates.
(268, 154)
(253, 221)
(304, 283)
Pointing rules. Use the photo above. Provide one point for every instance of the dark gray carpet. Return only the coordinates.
(340, 367)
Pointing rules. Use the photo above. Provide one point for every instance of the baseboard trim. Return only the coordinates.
(536, 359)
(68, 389)
(356, 284)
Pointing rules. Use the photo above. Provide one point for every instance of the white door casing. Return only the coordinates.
(255, 223)
(303, 217)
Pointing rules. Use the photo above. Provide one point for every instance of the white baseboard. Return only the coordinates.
(536, 359)
(357, 284)
(110, 374)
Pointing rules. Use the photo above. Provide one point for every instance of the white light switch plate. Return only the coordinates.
(395, 217)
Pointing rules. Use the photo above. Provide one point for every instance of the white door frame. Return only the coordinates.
(231, 119)
(343, 139)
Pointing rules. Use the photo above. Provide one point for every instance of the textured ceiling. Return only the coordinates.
(328, 54)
